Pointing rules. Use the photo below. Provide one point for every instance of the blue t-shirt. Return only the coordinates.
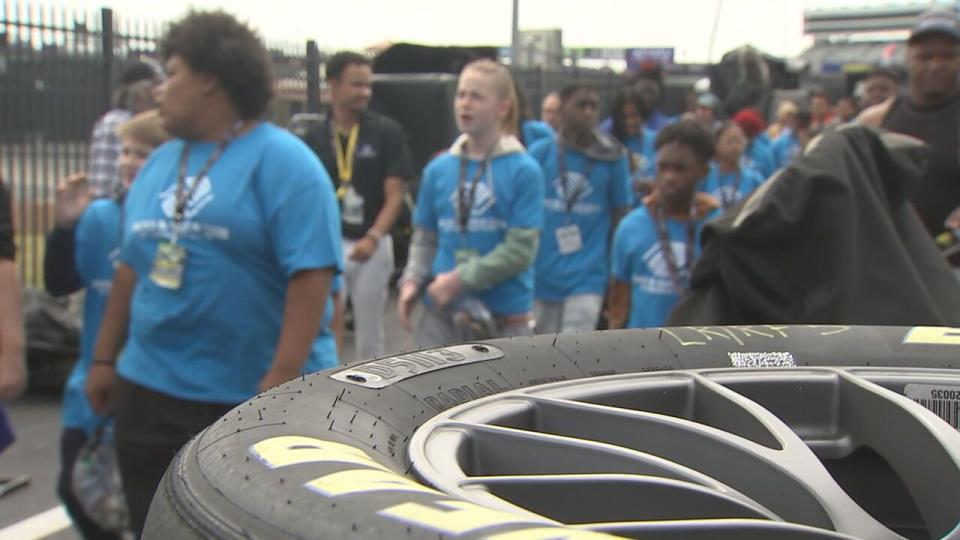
(638, 259)
(658, 121)
(325, 355)
(730, 187)
(759, 157)
(96, 250)
(764, 138)
(324, 351)
(786, 148)
(642, 146)
(265, 211)
(535, 130)
(607, 187)
(509, 195)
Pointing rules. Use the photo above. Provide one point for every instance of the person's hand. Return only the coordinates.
(953, 220)
(652, 198)
(704, 203)
(100, 386)
(363, 249)
(277, 376)
(73, 197)
(405, 302)
(445, 288)
(643, 188)
(13, 376)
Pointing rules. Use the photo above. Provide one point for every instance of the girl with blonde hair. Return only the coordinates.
(477, 221)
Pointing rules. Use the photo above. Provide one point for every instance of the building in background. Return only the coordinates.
(850, 42)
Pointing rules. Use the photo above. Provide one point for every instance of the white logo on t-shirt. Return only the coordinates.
(114, 257)
(483, 200)
(366, 152)
(577, 185)
(201, 197)
(661, 282)
(657, 263)
(640, 161)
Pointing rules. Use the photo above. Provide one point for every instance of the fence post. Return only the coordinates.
(540, 96)
(106, 35)
(312, 65)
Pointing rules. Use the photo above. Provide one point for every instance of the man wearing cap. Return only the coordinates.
(366, 154)
(705, 111)
(930, 112)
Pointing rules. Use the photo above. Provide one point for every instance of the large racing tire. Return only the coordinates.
(326, 455)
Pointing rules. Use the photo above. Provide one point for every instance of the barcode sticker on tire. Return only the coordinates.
(761, 359)
(944, 401)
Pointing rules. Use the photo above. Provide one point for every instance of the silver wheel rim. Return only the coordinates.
(720, 453)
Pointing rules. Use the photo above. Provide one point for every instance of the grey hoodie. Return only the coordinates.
(604, 147)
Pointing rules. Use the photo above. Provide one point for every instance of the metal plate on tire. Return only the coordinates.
(384, 372)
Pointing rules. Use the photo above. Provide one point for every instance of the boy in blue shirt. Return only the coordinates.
(587, 186)
(655, 246)
(477, 221)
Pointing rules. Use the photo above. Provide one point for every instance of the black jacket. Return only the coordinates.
(830, 239)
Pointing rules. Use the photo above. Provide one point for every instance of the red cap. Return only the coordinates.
(750, 121)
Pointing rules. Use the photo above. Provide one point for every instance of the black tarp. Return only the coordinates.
(412, 58)
(423, 105)
(830, 239)
(746, 77)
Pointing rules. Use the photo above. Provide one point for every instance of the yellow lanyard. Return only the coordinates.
(345, 159)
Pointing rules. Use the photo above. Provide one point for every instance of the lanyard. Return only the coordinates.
(571, 198)
(183, 198)
(465, 200)
(345, 156)
(667, 248)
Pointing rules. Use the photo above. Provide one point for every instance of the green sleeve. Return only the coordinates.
(514, 255)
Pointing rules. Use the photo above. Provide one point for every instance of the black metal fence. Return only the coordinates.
(536, 83)
(58, 69)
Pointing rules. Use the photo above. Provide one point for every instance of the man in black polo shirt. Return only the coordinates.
(930, 111)
(367, 158)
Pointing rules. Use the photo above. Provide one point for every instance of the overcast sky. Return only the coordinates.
(775, 26)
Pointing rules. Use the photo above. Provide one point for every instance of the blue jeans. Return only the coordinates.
(575, 313)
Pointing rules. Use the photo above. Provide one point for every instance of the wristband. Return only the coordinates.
(110, 363)
(375, 234)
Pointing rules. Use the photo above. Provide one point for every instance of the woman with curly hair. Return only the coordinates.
(230, 240)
